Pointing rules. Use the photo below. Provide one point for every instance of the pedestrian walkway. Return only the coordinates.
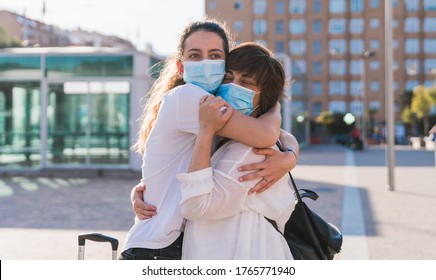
(40, 217)
(377, 223)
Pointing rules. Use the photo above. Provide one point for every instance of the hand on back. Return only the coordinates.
(214, 114)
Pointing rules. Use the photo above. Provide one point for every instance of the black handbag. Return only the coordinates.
(308, 235)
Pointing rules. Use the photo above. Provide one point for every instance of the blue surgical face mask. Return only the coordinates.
(240, 98)
(207, 74)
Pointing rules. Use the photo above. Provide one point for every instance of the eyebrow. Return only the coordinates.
(216, 50)
(198, 50)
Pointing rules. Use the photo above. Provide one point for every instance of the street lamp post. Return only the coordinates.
(365, 55)
(390, 131)
(287, 103)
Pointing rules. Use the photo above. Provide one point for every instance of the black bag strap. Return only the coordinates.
(306, 193)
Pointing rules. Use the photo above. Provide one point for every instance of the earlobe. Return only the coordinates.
(180, 68)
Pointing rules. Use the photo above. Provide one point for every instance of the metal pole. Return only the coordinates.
(390, 131)
(287, 103)
(362, 116)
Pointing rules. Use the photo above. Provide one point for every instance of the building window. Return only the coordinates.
(429, 83)
(297, 6)
(395, 65)
(412, 45)
(298, 67)
(317, 26)
(374, 105)
(357, 25)
(316, 108)
(374, 23)
(429, 5)
(430, 24)
(279, 47)
(317, 6)
(337, 26)
(429, 64)
(316, 88)
(298, 88)
(430, 45)
(374, 44)
(280, 27)
(297, 47)
(356, 6)
(337, 46)
(212, 4)
(337, 6)
(411, 25)
(395, 44)
(356, 108)
(374, 86)
(411, 84)
(317, 67)
(259, 7)
(356, 46)
(337, 67)
(297, 107)
(316, 47)
(237, 25)
(395, 23)
(412, 5)
(374, 4)
(356, 88)
(259, 26)
(337, 106)
(374, 64)
(337, 87)
(356, 67)
(280, 7)
(297, 26)
(412, 67)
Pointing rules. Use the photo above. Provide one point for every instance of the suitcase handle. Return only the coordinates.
(98, 237)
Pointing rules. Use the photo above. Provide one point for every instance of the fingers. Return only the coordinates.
(262, 185)
(143, 210)
(204, 98)
(250, 167)
(265, 151)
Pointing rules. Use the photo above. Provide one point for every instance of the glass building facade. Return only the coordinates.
(70, 107)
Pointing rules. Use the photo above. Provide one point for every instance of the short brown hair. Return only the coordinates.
(258, 62)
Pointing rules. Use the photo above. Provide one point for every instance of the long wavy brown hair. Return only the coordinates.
(169, 77)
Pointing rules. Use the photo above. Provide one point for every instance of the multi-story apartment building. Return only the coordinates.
(326, 41)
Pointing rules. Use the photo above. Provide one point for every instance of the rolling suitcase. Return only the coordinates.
(97, 237)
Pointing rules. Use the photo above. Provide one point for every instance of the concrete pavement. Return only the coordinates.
(40, 217)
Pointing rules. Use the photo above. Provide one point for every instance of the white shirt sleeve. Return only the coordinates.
(216, 193)
(188, 105)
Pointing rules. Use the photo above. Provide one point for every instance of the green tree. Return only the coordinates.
(421, 104)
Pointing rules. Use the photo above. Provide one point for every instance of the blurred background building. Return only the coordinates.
(27, 32)
(68, 99)
(337, 53)
(71, 107)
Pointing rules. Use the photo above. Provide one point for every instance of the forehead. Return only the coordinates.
(204, 40)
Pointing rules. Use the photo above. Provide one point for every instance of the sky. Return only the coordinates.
(155, 22)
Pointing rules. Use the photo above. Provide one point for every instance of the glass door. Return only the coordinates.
(20, 114)
(87, 123)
